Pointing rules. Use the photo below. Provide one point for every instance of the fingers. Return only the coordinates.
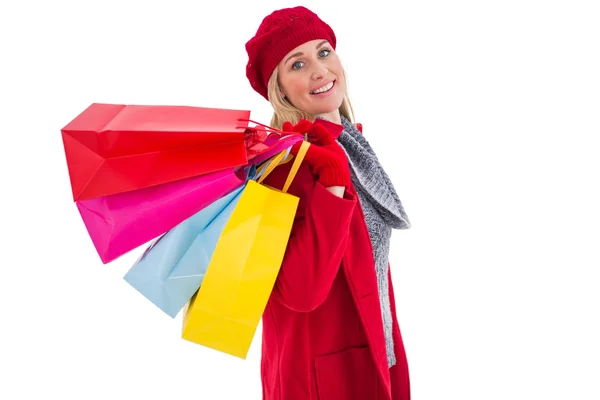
(317, 133)
(287, 127)
(303, 126)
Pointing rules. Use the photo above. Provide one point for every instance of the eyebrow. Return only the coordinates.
(300, 53)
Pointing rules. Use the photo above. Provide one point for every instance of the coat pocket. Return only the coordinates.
(349, 374)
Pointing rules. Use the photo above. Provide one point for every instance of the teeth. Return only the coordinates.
(324, 88)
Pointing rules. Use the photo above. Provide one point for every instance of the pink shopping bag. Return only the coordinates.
(120, 222)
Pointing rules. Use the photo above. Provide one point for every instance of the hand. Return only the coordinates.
(328, 167)
(317, 134)
(302, 126)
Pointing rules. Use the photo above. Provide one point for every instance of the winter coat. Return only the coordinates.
(322, 328)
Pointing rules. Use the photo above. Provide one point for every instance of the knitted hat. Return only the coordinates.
(278, 34)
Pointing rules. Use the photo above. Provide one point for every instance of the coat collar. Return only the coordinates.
(335, 129)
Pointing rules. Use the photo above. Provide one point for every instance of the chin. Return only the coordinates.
(329, 107)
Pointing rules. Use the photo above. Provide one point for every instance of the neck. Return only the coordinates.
(333, 116)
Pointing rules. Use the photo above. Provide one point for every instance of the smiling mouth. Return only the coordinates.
(324, 89)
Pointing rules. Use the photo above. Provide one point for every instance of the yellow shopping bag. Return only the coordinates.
(225, 312)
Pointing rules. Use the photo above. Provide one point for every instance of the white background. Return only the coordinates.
(484, 113)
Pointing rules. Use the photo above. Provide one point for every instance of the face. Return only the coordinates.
(311, 78)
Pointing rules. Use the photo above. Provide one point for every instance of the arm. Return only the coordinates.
(317, 241)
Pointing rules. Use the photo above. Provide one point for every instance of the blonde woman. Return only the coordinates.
(330, 329)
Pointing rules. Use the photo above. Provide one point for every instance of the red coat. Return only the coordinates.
(322, 328)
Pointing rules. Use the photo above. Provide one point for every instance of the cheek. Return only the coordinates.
(300, 87)
(340, 78)
(334, 64)
(294, 86)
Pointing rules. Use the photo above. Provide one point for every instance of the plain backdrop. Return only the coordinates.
(484, 113)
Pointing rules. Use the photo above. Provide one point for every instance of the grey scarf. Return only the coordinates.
(382, 209)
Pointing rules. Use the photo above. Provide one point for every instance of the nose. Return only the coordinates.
(319, 71)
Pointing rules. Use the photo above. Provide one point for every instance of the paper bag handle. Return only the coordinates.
(269, 165)
(277, 160)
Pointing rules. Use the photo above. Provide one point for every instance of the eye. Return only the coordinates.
(297, 65)
(324, 51)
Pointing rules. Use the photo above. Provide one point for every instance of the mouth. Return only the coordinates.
(324, 89)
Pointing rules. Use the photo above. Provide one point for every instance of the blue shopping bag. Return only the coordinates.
(171, 270)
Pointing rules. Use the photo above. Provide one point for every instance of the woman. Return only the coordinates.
(330, 329)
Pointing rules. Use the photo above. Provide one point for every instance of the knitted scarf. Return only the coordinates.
(382, 209)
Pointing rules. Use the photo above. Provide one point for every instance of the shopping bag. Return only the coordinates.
(120, 222)
(171, 270)
(263, 143)
(273, 145)
(115, 148)
(224, 313)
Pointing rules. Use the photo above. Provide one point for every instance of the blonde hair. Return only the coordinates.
(284, 111)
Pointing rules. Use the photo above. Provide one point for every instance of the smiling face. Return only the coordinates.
(311, 78)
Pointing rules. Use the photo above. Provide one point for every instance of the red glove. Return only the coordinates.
(301, 127)
(320, 136)
(329, 168)
(325, 157)
(317, 134)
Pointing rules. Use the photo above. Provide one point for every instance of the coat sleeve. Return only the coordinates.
(316, 245)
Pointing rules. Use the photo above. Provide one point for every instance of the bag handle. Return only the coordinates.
(277, 160)
(299, 158)
(269, 165)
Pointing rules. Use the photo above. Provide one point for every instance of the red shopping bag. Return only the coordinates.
(115, 148)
